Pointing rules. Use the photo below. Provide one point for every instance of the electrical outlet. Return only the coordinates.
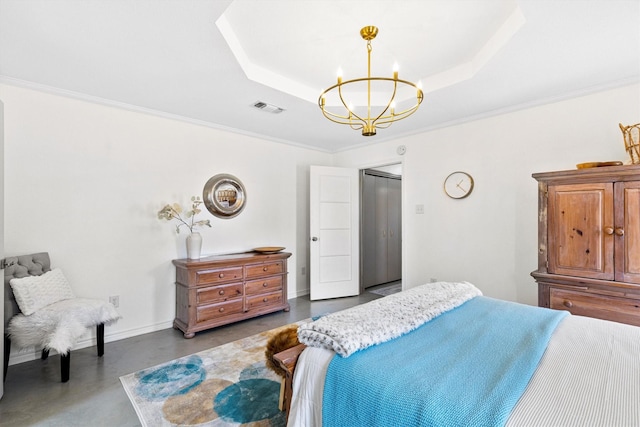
(115, 300)
(420, 209)
(433, 280)
(303, 270)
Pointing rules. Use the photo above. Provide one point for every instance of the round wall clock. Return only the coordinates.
(458, 185)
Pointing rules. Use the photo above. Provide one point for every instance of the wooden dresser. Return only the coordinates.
(589, 242)
(217, 290)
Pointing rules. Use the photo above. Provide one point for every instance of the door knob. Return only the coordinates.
(315, 239)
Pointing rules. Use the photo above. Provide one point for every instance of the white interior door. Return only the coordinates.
(334, 211)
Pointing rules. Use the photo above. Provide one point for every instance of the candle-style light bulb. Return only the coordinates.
(393, 107)
(339, 75)
(395, 71)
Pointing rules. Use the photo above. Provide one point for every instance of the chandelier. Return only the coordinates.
(384, 111)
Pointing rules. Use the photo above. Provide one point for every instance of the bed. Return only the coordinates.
(444, 354)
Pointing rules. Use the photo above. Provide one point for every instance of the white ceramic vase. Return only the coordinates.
(194, 245)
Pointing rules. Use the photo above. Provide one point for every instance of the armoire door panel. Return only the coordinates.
(627, 232)
(580, 219)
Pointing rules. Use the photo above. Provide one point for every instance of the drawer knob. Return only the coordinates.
(264, 300)
(221, 291)
(608, 230)
(221, 309)
(265, 268)
(619, 231)
(568, 304)
(265, 284)
(221, 275)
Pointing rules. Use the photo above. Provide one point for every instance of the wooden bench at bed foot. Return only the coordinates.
(287, 360)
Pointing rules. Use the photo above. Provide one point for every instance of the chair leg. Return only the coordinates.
(65, 365)
(65, 359)
(7, 351)
(100, 334)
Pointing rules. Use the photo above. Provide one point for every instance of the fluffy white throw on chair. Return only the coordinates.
(59, 325)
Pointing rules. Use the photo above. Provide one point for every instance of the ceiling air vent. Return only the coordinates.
(267, 107)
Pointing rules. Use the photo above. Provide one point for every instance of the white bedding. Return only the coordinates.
(589, 375)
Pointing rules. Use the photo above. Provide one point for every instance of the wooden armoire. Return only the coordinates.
(589, 242)
(381, 228)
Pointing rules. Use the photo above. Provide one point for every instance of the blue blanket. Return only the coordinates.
(467, 367)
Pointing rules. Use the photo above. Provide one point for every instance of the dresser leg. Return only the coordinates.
(189, 335)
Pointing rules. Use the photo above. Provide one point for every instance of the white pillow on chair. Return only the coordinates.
(34, 292)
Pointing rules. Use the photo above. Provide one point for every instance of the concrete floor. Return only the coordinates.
(34, 395)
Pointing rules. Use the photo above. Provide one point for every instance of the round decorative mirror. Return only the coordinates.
(224, 195)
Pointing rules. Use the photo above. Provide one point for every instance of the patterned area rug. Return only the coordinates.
(388, 290)
(227, 385)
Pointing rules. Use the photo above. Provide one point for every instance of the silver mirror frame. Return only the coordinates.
(218, 207)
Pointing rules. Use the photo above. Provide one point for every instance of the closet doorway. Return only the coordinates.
(381, 221)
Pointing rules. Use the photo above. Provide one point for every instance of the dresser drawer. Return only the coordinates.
(214, 311)
(218, 275)
(264, 300)
(218, 293)
(266, 269)
(263, 286)
(622, 310)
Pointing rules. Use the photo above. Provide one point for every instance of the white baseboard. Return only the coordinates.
(299, 293)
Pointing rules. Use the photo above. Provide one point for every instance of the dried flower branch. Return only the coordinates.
(174, 211)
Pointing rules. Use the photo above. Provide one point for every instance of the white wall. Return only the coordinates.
(85, 181)
(490, 238)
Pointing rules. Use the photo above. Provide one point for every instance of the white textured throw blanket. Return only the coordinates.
(59, 325)
(384, 319)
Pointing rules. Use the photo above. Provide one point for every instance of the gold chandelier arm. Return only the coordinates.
(396, 116)
(343, 120)
(338, 118)
(351, 112)
(393, 96)
(401, 115)
(349, 118)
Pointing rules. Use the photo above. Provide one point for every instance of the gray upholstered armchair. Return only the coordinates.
(41, 311)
